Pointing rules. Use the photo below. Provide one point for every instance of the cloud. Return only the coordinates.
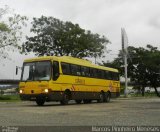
(106, 17)
(155, 21)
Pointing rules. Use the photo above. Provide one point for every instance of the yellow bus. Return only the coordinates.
(65, 78)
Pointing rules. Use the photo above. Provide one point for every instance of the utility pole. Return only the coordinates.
(126, 77)
(125, 55)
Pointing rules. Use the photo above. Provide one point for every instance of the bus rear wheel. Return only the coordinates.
(108, 97)
(40, 102)
(87, 101)
(78, 101)
(101, 98)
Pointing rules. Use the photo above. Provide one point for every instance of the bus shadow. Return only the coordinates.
(71, 103)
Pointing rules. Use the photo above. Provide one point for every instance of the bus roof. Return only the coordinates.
(72, 60)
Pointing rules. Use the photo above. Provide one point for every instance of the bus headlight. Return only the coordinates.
(46, 90)
(20, 91)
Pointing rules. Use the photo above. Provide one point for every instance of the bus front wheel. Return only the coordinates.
(40, 102)
(65, 99)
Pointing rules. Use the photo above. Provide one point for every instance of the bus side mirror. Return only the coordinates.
(16, 70)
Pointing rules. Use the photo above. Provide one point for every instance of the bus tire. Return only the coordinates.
(108, 97)
(65, 99)
(78, 101)
(101, 98)
(87, 101)
(40, 102)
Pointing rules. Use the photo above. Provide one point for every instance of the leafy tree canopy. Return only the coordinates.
(3, 27)
(63, 38)
(10, 31)
(143, 66)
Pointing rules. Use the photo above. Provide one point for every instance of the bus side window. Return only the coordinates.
(75, 70)
(108, 75)
(55, 70)
(100, 74)
(115, 76)
(95, 73)
(66, 68)
(91, 72)
(111, 76)
(85, 71)
(78, 70)
(103, 74)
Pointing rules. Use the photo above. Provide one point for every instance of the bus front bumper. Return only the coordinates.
(47, 96)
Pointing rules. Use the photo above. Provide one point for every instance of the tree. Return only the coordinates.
(10, 31)
(143, 68)
(152, 62)
(63, 38)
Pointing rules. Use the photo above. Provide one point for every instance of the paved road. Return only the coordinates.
(126, 112)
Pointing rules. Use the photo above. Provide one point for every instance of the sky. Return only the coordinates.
(140, 18)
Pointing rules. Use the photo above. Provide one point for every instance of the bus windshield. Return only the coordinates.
(36, 71)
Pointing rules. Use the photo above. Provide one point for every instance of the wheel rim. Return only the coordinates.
(65, 99)
(108, 97)
(101, 98)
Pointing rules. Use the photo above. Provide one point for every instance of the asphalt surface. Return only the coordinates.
(119, 112)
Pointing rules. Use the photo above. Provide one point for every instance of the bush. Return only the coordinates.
(10, 97)
(4, 97)
(2, 92)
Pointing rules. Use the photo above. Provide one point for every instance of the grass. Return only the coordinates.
(9, 98)
(145, 95)
(148, 95)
